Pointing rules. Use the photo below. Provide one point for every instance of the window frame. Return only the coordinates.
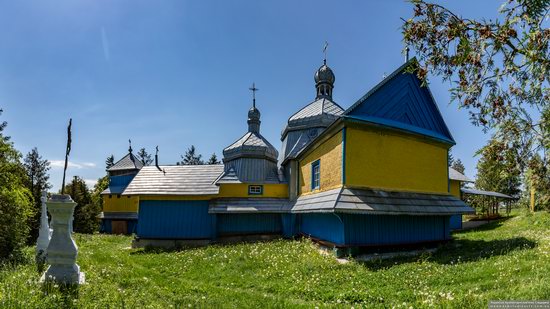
(254, 192)
(316, 183)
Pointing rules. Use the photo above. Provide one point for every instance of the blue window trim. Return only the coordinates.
(256, 193)
(316, 163)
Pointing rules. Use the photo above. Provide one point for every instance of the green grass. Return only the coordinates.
(504, 260)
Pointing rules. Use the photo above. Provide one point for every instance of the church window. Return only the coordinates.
(255, 190)
(315, 175)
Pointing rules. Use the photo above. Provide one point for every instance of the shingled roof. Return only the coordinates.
(456, 175)
(175, 180)
(321, 112)
(380, 202)
(251, 143)
(128, 162)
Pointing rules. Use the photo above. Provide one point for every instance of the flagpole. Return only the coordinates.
(68, 150)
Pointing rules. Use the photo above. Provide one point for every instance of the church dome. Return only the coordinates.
(254, 113)
(324, 75)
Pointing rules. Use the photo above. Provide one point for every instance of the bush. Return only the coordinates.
(15, 203)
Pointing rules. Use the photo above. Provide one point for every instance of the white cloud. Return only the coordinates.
(90, 182)
(61, 164)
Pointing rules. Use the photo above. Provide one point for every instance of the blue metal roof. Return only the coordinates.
(400, 101)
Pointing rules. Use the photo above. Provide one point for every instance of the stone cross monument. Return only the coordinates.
(44, 234)
(62, 250)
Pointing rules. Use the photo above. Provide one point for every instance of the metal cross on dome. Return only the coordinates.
(253, 89)
(325, 52)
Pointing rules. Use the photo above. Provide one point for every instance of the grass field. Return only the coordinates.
(504, 260)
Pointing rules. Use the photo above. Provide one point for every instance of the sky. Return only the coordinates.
(176, 73)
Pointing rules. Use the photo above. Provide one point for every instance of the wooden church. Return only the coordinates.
(375, 174)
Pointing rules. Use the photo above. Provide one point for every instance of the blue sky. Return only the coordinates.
(177, 73)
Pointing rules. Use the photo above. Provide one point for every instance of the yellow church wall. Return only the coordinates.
(378, 158)
(120, 203)
(241, 190)
(329, 154)
(454, 187)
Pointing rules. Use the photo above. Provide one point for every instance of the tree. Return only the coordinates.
(450, 158)
(500, 68)
(37, 181)
(458, 166)
(86, 213)
(144, 157)
(213, 159)
(15, 200)
(191, 158)
(109, 162)
(101, 184)
(537, 177)
(498, 169)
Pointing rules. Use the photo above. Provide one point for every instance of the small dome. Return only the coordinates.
(254, 113)
(324, 75)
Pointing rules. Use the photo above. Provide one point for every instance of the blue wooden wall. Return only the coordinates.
(240, 224)
(106, 227)
(117, 184)
(174, 220)
(456, 222)
(290, 225)
(387, 229)
(324, 226)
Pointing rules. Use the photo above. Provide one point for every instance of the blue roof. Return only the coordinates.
(400, 101)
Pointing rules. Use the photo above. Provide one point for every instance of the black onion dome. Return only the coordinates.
(324, 75)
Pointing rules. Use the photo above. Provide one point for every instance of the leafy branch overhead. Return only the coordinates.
(499, 69)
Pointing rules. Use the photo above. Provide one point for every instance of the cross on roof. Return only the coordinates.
(253, 89)
(325, 52)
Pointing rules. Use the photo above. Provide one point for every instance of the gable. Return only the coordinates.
(400, 101)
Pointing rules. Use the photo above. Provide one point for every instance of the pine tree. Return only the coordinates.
(450, 158)
(109, 162)
(144, 157)
(37, 181)
(213, 159)
(191, 158)
(458, 166)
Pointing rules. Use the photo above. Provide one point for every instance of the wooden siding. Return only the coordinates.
(372, 230)
(106, 226)
(456, 222)
(241, 190)
(120, 203)
(329, 153)
(160, 219)
(380, 158)
(121, 181)
(454, 187)
(242, 224)
(400, 101)
(323, 226)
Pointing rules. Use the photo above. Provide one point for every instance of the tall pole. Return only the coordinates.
(68, 150)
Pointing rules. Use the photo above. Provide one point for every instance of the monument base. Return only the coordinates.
(64, 275)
